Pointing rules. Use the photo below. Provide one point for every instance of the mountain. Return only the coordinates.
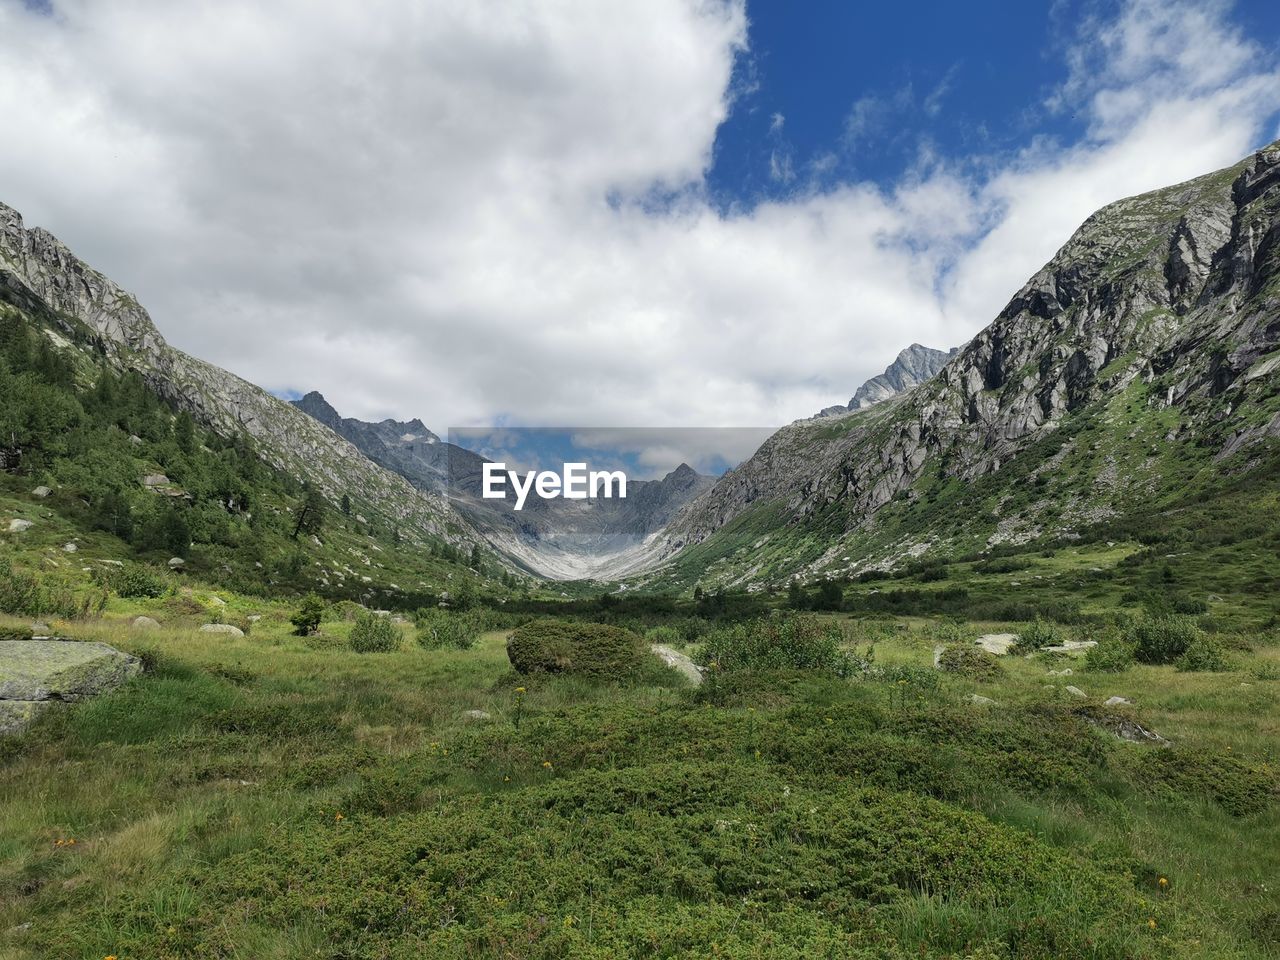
(912, 367)
(177, 457)
(40, 275)
(1137, 374)
(557, 538)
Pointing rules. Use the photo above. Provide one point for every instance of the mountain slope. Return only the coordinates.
(912, 367)
(38, 270)
(1140, 362)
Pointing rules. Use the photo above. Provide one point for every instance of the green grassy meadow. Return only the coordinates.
(274, 796)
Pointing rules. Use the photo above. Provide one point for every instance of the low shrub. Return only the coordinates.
(1204, 654)
(1036, 635)
(596, 650)
(973, 663)
(135, 580)
(374, 634)
(1237, 786)
(441, 630)
(1111, 655)
(780, 642)
(1160, 639)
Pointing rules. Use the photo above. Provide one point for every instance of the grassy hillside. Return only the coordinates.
(105, 472)
(282, 796)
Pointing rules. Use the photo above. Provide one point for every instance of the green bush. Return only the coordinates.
(25, 594)
(667, 635)
(972, 663)
(1111, 655)
(596, 650)
(1204, 653)
(780, 642)
(1037, 635)
(1161, 639)
(441, 630)
(307, 620)
(374, 634)
(134, 580)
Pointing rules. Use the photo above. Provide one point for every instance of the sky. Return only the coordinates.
(639, 213)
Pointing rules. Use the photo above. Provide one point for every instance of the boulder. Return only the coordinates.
(155, 480)
(222, 628)
(1071, 646)
(40, 629)
(35, 674)
(996, 643)
(1117, 702)
(476, 716)
(979, 700)
(144, 623)
(1077, 693)
(70, 547)
(18, 525)
(41, 492)
(176, 563)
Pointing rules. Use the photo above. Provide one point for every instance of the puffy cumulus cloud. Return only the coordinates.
(484, 211)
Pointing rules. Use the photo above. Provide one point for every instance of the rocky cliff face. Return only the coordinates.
(912, 367)
(1162, 311)
(38, 271)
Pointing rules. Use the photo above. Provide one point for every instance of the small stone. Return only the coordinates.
(1064, 672)
(476, 716)
(1117, 702)
(70, 548)
(144, 623)
(1077, 693)
(979, 700)
(176, 563)
(41, 492)
(19, 526)
(222, 628)
(254, 617)
(155, 480)
(135, 440)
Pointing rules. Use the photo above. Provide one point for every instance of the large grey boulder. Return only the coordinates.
(996, 643)
(222, 628)
(35, 674)
(144, 623)
(18, 525)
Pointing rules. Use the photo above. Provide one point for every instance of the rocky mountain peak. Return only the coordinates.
(912, 367)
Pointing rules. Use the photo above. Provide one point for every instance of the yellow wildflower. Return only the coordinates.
(338, 816)
(519, 689)
(1163, 881)
(1151, 922)
(546, 764)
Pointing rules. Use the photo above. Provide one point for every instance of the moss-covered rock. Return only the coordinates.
(46, 671)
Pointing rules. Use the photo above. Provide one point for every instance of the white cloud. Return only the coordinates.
(479, 209)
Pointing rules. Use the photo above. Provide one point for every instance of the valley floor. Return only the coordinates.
(274, 796)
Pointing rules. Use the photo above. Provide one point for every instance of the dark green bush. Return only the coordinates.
(973, 663)
(597, 650)
(1111, 655)
(780, 642)
(373, 633)
(1236, 786)
(1160, 639)
(1204, 653)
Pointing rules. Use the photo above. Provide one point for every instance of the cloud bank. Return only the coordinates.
(477, 211)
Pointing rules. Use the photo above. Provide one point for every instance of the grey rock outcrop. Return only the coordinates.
(1179, 287)
(35, 674)
(912, 367)
(227, 628)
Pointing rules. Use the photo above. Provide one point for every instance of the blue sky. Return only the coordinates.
(833, 92)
